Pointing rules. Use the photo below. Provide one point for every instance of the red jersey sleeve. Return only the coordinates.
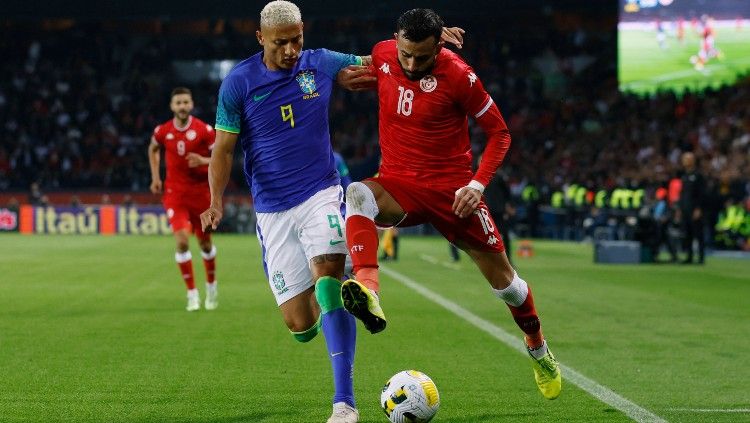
(470, 92)
(159, 133)
(476, 102)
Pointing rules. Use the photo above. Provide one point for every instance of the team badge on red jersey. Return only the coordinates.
(191, 134)
(428, 83)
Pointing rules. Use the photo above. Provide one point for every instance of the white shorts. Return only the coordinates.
(291, 238)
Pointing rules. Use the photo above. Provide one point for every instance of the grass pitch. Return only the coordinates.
(93, 329)
(644, 67)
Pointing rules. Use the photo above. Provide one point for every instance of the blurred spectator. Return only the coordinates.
(692, 206)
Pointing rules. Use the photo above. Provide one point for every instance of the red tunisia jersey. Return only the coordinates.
(424, 124)
(196, 137)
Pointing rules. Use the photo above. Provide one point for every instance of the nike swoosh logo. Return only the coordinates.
(261, 97)
(335, 354)
(332, 242)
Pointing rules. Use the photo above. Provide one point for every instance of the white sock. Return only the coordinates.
(183, 257)
(193, 293)
(209, 255)
(515, 293)
(211, 286)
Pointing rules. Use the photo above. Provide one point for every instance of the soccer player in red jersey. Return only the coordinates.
(187, 142)
(426, 95)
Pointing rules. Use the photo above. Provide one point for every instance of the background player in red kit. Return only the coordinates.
(187, 142)
(425, 96)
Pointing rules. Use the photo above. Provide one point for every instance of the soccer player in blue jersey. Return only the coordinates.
(276, 104)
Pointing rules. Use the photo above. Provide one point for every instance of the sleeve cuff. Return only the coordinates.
(227, 129)
(476, 185)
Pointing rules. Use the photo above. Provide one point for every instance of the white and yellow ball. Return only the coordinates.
(410, 397)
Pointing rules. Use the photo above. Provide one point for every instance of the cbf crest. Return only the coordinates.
(279, 283)
(306, 80)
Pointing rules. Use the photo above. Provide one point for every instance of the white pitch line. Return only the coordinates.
(598, 391)
(712, 410)
(432, 260)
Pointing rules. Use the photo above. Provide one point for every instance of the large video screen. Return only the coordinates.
(682, 44)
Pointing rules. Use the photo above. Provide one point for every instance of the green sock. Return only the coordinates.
(328, 294)
(309, 334)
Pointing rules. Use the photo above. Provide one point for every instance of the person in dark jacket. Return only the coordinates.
(692, 205)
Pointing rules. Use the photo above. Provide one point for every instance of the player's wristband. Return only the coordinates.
(476, 185)
(473, 184)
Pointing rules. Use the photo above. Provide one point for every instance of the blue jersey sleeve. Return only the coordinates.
(229, 109)
(331, 62)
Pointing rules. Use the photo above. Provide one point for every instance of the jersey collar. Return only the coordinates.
(184, 128)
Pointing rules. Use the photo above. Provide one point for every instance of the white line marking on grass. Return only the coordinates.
(712, 410)
(432, 260)
(600, 392)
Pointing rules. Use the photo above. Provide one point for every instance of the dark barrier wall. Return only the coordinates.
(86, 9)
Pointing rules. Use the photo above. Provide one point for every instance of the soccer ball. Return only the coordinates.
(410, 397)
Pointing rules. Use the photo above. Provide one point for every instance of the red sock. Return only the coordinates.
(209, 262)
(185, 263)
(527, 319)
(210, 266)
(362, 239)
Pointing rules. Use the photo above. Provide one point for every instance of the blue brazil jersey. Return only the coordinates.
(282, 121)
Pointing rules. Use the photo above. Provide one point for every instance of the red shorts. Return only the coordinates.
(184, 211)
(434, 204)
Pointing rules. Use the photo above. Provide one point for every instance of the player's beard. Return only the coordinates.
(416, 76)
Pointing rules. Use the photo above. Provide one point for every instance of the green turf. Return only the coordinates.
(644, 67)
(94, 329)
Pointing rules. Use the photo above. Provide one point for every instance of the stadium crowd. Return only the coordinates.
(78, 106)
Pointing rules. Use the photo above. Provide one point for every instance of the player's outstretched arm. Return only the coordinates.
(219, 169)
(357, 78)
(154, 151)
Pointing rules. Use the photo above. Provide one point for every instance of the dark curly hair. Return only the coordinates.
(419, 24)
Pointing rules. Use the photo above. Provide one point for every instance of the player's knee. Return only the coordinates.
(182, 247)
(306, 335)
(208, 250)
(361, 201)
(328, 294)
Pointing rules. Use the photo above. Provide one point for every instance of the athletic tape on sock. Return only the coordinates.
(209, 255)
(183, 257)
(515, 294)
(360, 201)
